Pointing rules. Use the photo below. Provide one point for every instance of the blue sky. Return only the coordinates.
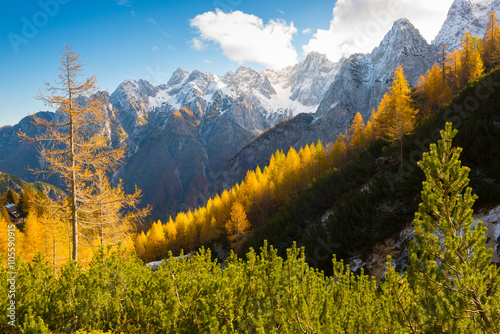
(122, 39)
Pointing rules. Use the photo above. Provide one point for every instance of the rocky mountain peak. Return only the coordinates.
(402, 45)
(246, 79)
(178, 77)
(403, 35)
(465, 15)
(129, 88)
(200, 77)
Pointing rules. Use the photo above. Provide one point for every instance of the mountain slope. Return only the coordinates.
(350, 211)
(9, 181)
(358, 87)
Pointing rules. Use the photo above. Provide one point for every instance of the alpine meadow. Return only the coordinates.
(350, 188)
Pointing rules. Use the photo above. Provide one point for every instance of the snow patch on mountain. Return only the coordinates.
(491, 219)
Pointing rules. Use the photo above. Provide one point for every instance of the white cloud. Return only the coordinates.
(207, 61)
(164, 33)
(132, 12)
(197, 44)
(127, 3)
(245, 37)
(360, 25)
(155, 48)
(307, 31)
(151, 20)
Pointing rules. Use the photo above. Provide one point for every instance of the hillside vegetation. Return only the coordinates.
(451, 275)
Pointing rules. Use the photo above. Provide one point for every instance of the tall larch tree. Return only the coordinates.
(356, 131)
(471, 63)
(73, 145)
(113, 213)
(396, 115)
(237, 227)
(436, 91)
(454, 66)
(491, 43)
(155, 245)
(336, 155)
(36, 235)
(442, 59)
(450, 264)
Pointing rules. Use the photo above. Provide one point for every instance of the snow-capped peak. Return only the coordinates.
(465, 15)
(403, 33)
(178, 77)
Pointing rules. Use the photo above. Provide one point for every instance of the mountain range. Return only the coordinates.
(200, 133)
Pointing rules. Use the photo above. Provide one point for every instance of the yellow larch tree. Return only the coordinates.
(75, 147)
(436, 91)
(112, 216)
(491, 43)
(36, 235)
(291, 172)
(404, 114)
(356, 134)
(471, 63)
(170, 231)
(320, 159)
(396, 116)
(237, 227)
(155, 242)
(140, 245)
(337, 152)
(454, 65)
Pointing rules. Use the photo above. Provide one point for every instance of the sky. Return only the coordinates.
(150, 39)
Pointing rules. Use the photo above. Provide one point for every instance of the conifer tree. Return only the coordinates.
(491, 43)
(442, 58)
(436, 91)
(320, 159)
(337, 152)
(35, 232)
(356, 131)
(11, 196)
(454, 66)
(155, 242)
(140, 244)
(396, 116)
(26, 200)
(73, 146)
(58, 240)
(449, 260)
(4, 213)
(237, 227)
(106, 220)
(471, 63)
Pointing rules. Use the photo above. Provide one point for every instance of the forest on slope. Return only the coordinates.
(336, 171)
(450, 286)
